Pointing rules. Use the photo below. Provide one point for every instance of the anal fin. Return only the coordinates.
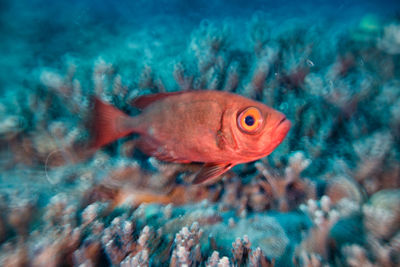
(211, 172)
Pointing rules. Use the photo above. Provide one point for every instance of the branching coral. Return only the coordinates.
(390, 42)
(187, 248)
(338, 166)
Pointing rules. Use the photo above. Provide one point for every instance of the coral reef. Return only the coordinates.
(328, 195)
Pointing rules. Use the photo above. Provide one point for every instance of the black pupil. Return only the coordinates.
(249, 120)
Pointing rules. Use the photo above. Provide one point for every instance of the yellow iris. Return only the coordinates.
(250, 120)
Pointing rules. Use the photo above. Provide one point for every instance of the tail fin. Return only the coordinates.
(109, 124)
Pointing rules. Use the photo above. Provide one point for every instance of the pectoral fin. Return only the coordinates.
(211, 172)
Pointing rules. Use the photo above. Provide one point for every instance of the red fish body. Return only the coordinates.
(218, 128)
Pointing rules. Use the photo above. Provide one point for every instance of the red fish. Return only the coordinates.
(219, 129)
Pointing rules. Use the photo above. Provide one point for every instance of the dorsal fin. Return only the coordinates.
(142, 102)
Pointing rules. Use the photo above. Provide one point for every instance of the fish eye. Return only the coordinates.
(250, 120)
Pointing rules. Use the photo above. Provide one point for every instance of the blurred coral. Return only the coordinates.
(390, 41)
(328, 195)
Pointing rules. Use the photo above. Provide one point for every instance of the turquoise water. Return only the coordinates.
(329, 194)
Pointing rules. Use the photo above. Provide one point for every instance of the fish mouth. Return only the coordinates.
(282, 121)
(283, 126)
